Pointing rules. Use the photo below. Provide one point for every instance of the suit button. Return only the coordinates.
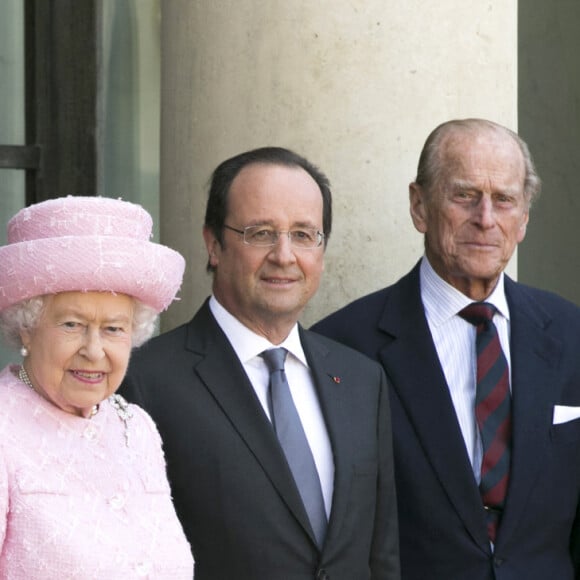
(322, 575)
(498, 561)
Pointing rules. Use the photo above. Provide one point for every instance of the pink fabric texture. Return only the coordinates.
(87, 244)
(76, 502)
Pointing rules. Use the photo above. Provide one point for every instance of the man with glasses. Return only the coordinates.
(277, 440)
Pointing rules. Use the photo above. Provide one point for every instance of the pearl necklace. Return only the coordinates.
(23, 376)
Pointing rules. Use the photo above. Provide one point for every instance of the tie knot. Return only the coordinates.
(274, 358)
(478, 313)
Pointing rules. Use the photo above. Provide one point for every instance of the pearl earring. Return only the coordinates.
(23, 351)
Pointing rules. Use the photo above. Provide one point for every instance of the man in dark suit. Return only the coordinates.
(242, 500)
(480, 497)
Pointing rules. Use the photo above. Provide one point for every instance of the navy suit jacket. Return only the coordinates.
(441, 519)
(232, 488)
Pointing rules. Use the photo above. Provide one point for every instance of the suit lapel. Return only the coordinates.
(534, 360)
(418, 380)
(224, 377)
(333, 394)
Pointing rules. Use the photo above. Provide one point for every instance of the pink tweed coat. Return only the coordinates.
(83, 498)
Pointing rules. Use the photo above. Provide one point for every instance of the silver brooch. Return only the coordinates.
(123, 411)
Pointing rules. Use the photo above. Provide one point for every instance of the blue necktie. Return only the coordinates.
(288, 428)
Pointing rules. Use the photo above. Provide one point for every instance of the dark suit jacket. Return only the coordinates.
(441, 520)
(232, 487)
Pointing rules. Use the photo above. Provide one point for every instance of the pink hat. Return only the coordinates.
(87, 244)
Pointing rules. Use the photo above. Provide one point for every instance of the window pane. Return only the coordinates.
(12, 196)
(131, 102)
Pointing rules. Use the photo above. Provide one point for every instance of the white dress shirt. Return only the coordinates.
(248, 345)
(454, 340)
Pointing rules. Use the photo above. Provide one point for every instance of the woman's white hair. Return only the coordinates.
(25, 315)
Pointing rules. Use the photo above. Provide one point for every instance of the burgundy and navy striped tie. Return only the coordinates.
(492, 412)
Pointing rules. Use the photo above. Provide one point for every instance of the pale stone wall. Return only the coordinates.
(354, 85)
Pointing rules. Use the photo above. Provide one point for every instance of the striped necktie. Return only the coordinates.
(492, 412)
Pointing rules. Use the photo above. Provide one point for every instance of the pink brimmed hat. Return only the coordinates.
(87, 244)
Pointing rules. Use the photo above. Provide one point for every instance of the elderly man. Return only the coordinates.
(278, 440)
(485, 374)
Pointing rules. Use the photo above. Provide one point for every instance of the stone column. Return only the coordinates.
(354, 85)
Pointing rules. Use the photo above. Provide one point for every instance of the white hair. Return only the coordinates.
(25, 316)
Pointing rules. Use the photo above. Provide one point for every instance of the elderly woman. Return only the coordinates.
(83, 489)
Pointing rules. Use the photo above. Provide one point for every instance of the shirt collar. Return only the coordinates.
(246, 342)
(442, 301)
